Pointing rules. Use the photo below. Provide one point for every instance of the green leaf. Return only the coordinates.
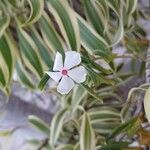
(6, 51)
(129, 127)
(39, 124)
(105, 128)
(43, 50)
(5, 133)
(87, 137)
(113, 4)
(91, 92)
(114, 146)
(2, 78)
(93, 65)
(36, 10)
(90, 40)
(65, 147)
(66, 20)
(131, 6)
(104, 115)
(119, 33)
(30, 52)
(13, 2)
(43, 81)
(24, 76)
(56, 125)
(50, 35)
(79, 94)
(93, 16)
(4, 23)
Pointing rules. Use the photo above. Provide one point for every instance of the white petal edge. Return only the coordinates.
(72, 59)
(65, 85)
(78, 74)
(58, 64)
(56, 76)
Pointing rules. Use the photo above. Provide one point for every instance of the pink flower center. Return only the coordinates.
(64, 72)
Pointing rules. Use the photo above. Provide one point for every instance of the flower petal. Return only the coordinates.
(58, 64)
(56, 76)
(65, 85)
(72, 59)
(78, 74)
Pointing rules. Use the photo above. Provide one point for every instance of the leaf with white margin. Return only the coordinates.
(43, 49)
(39, 124)
(4, 23)
(93, 16)
(36, 10)
(56, 125)
(131, 6)
(23, 76)
(6, 48)
(67, 22)
(65, 147)
(147, 104)
(4, 76)
(113, 4)
(119, 34)
(79, 93)
(87, 137)
(50, 36)
(90, 39)
(30, 53)
(15, 3)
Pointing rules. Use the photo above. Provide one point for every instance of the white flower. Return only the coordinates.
(67, 73)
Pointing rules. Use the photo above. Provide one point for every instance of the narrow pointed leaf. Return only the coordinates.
(90, 40)
(50, 35)
(79, 94)
(93, 16)
(36, 9)
(30, 51)
(39, 124)
(43, 81)
(131, 6)
(114, 146)
(7, 54)
(87, 138)
(56, 125)
(24, 76)
(43, 50)
(65, 147)
(66, 20)
(4, 23)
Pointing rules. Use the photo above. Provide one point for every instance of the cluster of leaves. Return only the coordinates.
(32, 31)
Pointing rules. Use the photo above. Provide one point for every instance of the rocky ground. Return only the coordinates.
(14, 116)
